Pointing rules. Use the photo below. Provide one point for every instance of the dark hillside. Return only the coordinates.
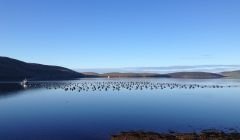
(12, 70)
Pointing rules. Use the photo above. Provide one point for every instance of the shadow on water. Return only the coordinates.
(9, 89)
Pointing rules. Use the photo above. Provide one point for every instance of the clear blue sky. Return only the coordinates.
(121, 33)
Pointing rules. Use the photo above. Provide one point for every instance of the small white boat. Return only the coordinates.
(24, 82)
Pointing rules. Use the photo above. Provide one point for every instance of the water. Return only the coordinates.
(54, 114)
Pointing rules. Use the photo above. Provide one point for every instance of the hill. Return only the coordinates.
(15, 70)
(132, 75)
(182, 75)
(231, 74)
(195, 75)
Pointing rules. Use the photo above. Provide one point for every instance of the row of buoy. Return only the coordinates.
(119, 85)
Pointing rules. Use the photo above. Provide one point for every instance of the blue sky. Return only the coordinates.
(121, 33)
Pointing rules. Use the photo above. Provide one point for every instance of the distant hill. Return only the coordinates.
(116, 74)
(12, 69)
(195, 75)
(182, 75)
(232, 74)
(91, 75)
(15, 70)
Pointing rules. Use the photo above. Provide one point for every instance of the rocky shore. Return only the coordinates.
(203, 135)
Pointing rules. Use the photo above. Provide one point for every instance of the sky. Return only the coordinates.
(121, 33)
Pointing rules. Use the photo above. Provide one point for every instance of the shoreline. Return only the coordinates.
(202, 135)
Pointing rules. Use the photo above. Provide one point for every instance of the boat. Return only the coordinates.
(24, 83)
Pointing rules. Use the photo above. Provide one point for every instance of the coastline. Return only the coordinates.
(203, 135)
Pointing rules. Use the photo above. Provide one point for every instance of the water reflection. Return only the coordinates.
(10, 89)
(6, 87)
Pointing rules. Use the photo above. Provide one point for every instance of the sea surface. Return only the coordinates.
(95, 109)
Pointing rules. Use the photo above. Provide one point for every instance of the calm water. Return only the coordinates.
(40, 113)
